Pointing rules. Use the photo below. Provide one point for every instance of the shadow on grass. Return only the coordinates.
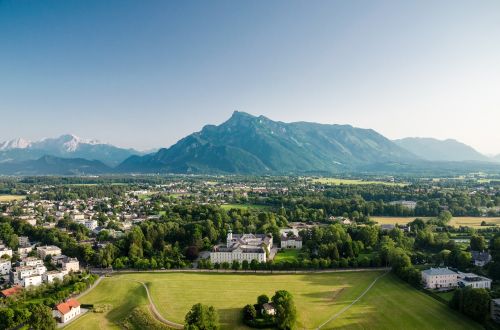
(134, 297)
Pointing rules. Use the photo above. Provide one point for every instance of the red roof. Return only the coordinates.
(10, 291)
(66, 307)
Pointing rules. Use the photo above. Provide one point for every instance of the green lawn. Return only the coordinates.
(287, 255)
(391, 304)
(244, 206)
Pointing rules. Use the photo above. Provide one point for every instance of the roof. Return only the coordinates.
(268, 306)
(438, 271)
(11, 291)
(65, 307)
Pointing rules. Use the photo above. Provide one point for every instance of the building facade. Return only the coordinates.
(439, 278)
(243, 247)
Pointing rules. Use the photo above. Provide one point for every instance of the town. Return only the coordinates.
(62, 236)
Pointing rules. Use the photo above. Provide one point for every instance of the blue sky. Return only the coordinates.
(146, 73)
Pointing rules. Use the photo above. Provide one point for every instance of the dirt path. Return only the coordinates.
(333, 317)
(157, 314)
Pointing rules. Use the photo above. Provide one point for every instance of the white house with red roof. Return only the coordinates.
(66, 311)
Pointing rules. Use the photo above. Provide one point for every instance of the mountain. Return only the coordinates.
(247, 144)
(65, 146)
(441, 150)
(49, 165)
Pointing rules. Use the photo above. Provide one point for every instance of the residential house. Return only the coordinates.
(10, 291)
(66, 311)
(48, 250)
(291, 241)
(5, 266)
(268, 309)
(49, 277)
(480, 258)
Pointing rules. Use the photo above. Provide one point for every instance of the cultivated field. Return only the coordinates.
(10, 198)
(317, 296)
(336, 181)
(474, 222)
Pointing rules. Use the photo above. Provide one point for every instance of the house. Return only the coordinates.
(5, 266)
(243, 247)
(291, 241)
(24, 241)
(34, 280)
(387, 227)
(10, 291)
(23, 251)
(70, 265)
(480, 258)
(4, 250)
(495, 310)
(48, 250)
(30, 261)
(19, 274)
(268, 309)
(49, 277)
(438, 278)
(473, 281)
(66, 311)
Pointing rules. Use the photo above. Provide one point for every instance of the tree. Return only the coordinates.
(445, 217)
(202, 317)
(41, 318)
(6, 318)
(477, 243)
(249, 312)
(262, 299)
(286, 313)
(472, 302)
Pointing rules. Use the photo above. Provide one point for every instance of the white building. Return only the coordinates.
(19, 274)
(23, 251)
(49, 277)
(48, 250)
(480, 258)
(436, 278)
(34, 280)
(5, 267)
(243, 247)
(291, 242)
(473, 281)
(5, 250)
(67, 311)
(71, 265)
(30, 261)
(24, 241)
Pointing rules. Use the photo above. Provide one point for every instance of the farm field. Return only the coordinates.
(317, 297)
(474, 222)
(10, 198)
(337, 181)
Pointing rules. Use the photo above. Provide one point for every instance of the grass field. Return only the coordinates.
(244, 206)
(336, 181)
(391, 304)
(474, 222)
(10, 198)
(287, 255)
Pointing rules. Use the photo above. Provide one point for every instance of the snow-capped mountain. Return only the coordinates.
(18, 143)
(64, 146)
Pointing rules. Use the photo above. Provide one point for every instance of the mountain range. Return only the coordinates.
(247, 144)
(64, 146)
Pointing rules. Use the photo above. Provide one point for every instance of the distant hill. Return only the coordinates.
(248, 144)
(49, 165)
(441, 150)
(65, 146)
